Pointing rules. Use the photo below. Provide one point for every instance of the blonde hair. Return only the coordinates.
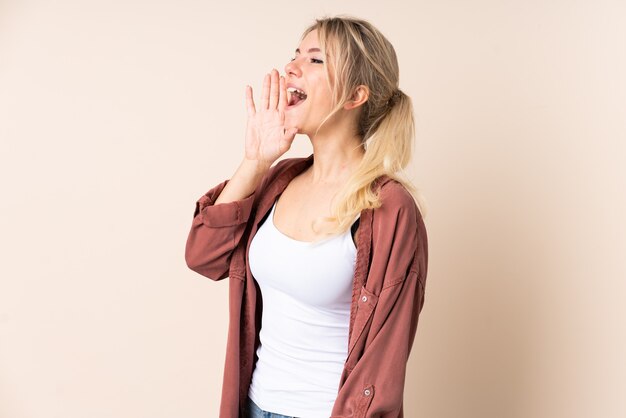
(359, 54)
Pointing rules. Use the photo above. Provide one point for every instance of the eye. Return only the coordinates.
(313, 60)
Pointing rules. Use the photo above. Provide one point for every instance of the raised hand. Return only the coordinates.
(267, 137)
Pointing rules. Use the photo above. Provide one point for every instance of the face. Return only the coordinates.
(306, 72)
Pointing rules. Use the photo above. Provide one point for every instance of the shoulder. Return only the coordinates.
(398, 212)
(397, 203)
(288, 163)
(394, 192)
(282, 168)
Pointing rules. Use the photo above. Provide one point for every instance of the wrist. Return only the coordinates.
(256, 166)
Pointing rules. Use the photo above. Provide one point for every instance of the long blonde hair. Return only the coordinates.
(360, 54)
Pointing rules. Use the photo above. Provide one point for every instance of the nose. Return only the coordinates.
(293, 69)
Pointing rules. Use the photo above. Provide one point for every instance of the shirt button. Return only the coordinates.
(366, 392)
(364, 298)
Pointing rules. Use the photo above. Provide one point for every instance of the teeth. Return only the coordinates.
(294, 90)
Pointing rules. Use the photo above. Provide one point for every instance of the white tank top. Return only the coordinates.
(307, 292)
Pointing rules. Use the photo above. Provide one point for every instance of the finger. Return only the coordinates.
(288, 137)
(290, 133)
(274, 89)
(265, 96)
(282, 97)
(250, 102)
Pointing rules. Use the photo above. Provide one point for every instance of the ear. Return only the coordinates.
(360, 96)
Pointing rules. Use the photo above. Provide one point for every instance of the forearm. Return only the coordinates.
(215, 232)
(244, 182)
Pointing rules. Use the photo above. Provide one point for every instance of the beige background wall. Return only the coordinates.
(115, 116)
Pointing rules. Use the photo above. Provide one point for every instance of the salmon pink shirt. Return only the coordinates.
(387, 292)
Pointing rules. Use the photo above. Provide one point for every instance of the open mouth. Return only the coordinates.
(296, 96)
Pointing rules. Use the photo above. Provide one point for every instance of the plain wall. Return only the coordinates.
(116, 116)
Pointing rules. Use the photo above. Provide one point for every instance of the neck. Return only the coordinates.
(334, 159)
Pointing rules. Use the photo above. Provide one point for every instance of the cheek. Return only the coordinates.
(321, 102)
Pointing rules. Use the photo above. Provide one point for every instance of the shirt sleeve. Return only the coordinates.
(215, 232)
(374, 388)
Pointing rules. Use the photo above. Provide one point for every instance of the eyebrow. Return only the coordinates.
(310, 50)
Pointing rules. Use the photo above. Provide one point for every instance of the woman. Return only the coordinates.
(326, 255)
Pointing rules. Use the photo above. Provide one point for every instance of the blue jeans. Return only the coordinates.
(252, 410)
